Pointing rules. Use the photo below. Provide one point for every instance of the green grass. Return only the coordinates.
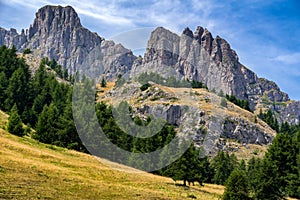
(32, 170)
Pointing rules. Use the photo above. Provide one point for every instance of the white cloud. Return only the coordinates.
(293, 58)
(174, 15)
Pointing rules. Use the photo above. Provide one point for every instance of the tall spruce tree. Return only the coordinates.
(236, 186)
(46, 129)
(223, 164)
(14, 122)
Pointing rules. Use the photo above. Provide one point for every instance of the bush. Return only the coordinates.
(145, 86)
(27, 51)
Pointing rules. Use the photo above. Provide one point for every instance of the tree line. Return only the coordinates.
(42, 102)
(171, 81)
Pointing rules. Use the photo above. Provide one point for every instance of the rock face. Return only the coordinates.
(238, 129)
(199, 56)
(57, 33)
(286, 111)
(11, 37)
(207, 127)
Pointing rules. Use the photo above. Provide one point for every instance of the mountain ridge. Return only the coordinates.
(57, 33)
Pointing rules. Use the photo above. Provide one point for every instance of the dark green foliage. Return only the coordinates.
(14, 80)
(239, 102)
(253, 173)
(281, 160)
(17, 90)
(145, 86)
(27, 51)
(223, 164)
(236, 186)
(198, 84)
(67, 133)
(14, 122)
(46, 128)
(3, 86)
(189, 168)
(277, 175)
(242, 165)
(170, 81)
(103, 82)
(269, 118)
(61, 73)
(33, 94)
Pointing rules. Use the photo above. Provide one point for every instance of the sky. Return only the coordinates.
(265, 34)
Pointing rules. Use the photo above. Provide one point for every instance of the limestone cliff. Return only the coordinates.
(57, 33)
(199, 56)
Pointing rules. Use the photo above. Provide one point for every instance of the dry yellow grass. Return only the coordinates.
(32, 170)
(249, 151)
(3, 119)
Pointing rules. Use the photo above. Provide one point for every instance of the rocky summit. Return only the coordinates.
(57, 33)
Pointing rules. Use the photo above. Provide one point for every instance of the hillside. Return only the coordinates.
(32, 170)
(186, 89)
(57, 33)
(239, 131)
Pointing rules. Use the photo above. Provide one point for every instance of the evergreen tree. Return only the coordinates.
(253, 173)
(278, 169)
(243, 165)
(67, 133)
(103, 82)
(3, 86)
(223, 164)
(236, 186)
(18, 88)
(46, 129)
(14, 122)
(187, 167)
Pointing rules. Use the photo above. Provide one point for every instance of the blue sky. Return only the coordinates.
(265, 34)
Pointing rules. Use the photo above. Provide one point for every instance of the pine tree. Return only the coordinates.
(253, 173)
(223, 164)
(3, 86)
(14, 122)
(278, 171)
(187, 167)
(103, 82)
(18, 88)
(46, 129)
(236, 186)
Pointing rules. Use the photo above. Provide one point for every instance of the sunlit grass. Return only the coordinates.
(32, 170)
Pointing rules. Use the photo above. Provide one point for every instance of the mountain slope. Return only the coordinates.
(198, 114)
(58, 34)
(32, 170)
(199, 56)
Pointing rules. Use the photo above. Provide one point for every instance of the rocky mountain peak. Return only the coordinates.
(57, 33)
(199, 56)
(48, 16)
(198, 33)
(187, 31)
